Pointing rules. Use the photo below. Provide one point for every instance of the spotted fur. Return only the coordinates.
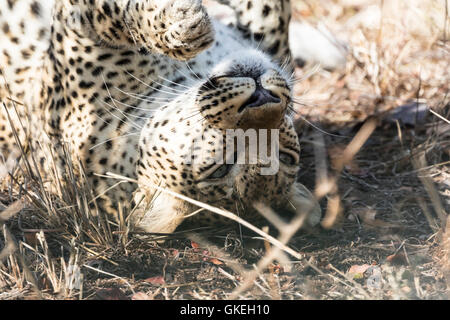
(129, 85)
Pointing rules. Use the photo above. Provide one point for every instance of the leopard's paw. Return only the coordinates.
(183, 29)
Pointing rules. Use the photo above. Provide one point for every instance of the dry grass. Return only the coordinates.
(384, 186)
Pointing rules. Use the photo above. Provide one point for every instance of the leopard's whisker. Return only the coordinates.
(286, 69)
(151, 110)
(140, 116)
(101, 118)
(116, 108)
(151, 87)
(187, 76)
(133, 123)
(201, 120)
(320, 129)
(144, 98)
(260, 41)
(165, 86)
(191, 116)
(315, 69)
(130, 32)
(178, 84)
(150, 98)
(115, 138)
(304, 102)
(192, 71)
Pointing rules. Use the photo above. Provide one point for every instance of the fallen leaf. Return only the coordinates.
(140, 296)
(30, 238)
(215, 261)
(159, 280)
(277, 269)
(397, 258)
(111, 294)
(354, 169)
(45, 283)
(357, 271)
(409, 114)
(195, 245)
(368, 215)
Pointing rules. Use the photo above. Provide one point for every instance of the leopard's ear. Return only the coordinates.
(158, 212)
(302, 202)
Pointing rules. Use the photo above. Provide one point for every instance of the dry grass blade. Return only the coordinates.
(439, 116)
(431, 221)
(10, 246)
(274, 291)
(333, 212)
(329, 185)
(5, 215)
(356, 144)
(12, 210)
(419, 162)
(446, 252)
(110, 275)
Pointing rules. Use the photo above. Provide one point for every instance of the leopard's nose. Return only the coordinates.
(260, 97)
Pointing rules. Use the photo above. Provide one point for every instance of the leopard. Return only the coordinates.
(149, 90)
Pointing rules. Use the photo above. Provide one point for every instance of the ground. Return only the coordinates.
(386, 231)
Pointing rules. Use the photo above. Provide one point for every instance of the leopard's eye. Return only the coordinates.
(288, 159)
(221, 172)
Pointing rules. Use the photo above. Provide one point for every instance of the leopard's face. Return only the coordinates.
(192, 145)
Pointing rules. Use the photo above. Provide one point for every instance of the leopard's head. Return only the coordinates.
(229, 142)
